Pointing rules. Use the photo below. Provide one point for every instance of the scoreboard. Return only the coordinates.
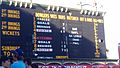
(51, 34)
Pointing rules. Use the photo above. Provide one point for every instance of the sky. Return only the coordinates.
(111, 19)
(112, 27)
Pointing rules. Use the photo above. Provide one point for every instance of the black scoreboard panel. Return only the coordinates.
(101, 38)
(47, 34)
(88, 45)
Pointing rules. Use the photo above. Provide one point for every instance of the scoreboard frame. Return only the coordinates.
(14, 22)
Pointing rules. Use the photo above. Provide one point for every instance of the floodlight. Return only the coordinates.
(15, 3)
(25, 4)
(30, 5)
(66, 10)
(89, 12)
(10, 3)
(96, 13)
(93, 13)
(53, 8)
(48, 8)
(61, 9)
(81, 11)
(58, 8)
(103, 13)
(20, 4)
(85, 12)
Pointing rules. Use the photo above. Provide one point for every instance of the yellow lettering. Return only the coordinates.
(14, 12)
(4, 22)
(61, 57)
(61, 17)
(6, 53)
(12, 33)
(94, 20)
(3, 10)
(44, 15)
(9, 47)
(100, 21)
(35, 40)
(4, 27)
(13, 28)
(6, 49)
(14, 23)
(13, 15)
(72, 18)
(89, 20)
(3, 15)
(82, 19)
(54, 16)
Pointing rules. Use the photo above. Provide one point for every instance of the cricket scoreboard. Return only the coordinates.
(51, 34)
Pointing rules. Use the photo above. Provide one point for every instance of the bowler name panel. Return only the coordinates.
(48, 36)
